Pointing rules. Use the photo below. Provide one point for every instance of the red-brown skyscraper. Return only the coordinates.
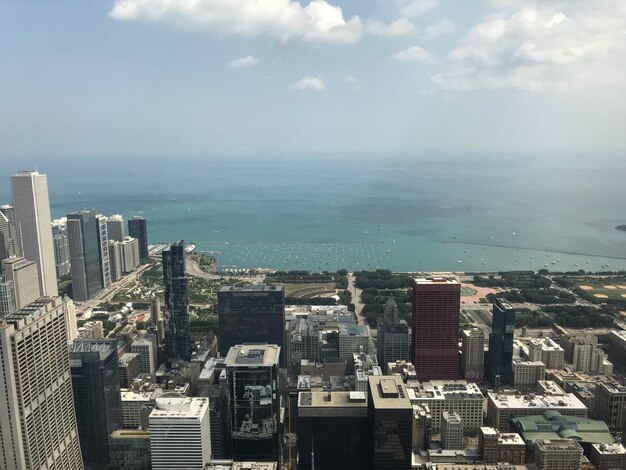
(436, 307)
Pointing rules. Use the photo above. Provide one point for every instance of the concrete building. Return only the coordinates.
(435, 328)
(137, 228)
(391, 422)
(353, 339)
(501, 447)
(563, 454)
(91, 330)
(251, 314)
(179, 434)
(129, 368)
(130, 450)
(473, 355)
(392, 336)
(451, 430)
(600, 363)
(103, 250)
(253, 402)
(96, 389)
(61, 247)
(32, 213)
(364, 366)
(129, 254)
(503, 405)
(69, 309)
(176, 304)
(608, 456)
(454, 395)
(37, 419)
(218, 419)
(137, 402)
(10, 241)
(84, 241)
(115, 228)
(404, 369)
(348, 445)
(526, 375)
(617, 346)
(115, 260)
(145, 344)
(500, 356)
(7, 297)
(422, 425)
(611, 404)
(22, 274)
(547, 351)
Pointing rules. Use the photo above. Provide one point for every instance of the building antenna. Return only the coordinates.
(312, 453)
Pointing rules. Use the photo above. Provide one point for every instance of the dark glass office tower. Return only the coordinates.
(250, 314)
(500, 356)
(176, 304)
(137, 229)
(97, 401)
(84, 244)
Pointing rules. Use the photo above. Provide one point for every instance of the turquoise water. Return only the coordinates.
(404, 214)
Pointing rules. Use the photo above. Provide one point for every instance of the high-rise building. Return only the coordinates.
(128, 365)
(253, 401)
(610, 405)
(561, 454)
(37, 420)
(115, 228)
(96, 386)
(115, 260)
(608, 456)
(129, 254)
(178, 336)
(137, 228)
(179, 434)
(436, 309)
(32, 212)
(500, 355)
(250, 314)
(156, 317)
(23, 276)
(547, 351)
(69, 309)
(61, 248)
(451, 430)
(352, 339)
(103, 250)
(391, 415)
(348, 445)
(130, 450)
(84, 241)
(145, 344)
(526, 375)
(9, 238)
(393, 336)
(473, 354)
(218, 413)
(7, 297)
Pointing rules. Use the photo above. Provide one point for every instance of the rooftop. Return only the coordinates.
(436, 280)
(130, 434)
(609, 449)
(331, 399)
(352, 330)
(388, 392)
(539, 402)
(184, 407)
(31, 312)
(252, 288)
(558, 444)
(552, 425)
(444, 390)
(252, 354)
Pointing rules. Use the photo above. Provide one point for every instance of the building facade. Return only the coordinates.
(436, 309)
(500, 355)
(137, 228)
(82, 230)
(473, 355)
(393, 336)
(562, 454)
(32, 213)
(178, 336)
(451, 430)
(23, 276)
(115, 228)
(37, 419)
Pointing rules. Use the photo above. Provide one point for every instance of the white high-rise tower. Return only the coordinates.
(32, 213)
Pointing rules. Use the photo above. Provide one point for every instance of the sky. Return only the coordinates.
(141, 78)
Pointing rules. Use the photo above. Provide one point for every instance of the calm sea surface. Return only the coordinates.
(325, 214)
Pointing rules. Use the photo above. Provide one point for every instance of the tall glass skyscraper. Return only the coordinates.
(83, 235)
(500, 356)
(178, 336)
(137, 229)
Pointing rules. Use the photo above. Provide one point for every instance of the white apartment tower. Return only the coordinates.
(32, 213)
(180, 434)
(37, 421)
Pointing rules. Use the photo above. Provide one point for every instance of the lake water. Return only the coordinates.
(411, 214)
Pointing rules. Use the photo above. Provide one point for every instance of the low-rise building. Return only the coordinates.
(451, 430)
(608, 456)
(501, 447)
(351, 339)
(611, 404)
(563, 454)
(526, 374)
(547, 351)
(130, 449)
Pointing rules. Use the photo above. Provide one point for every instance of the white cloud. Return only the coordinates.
(440, 28)
(413, 8)
(247, 61)
(400, 27)
(411, 54)
(548, 44)
(286, 20)
(309, 83)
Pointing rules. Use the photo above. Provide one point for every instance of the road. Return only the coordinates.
(358, 309)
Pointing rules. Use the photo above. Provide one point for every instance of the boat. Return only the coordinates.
(459, 261)
(190, 248)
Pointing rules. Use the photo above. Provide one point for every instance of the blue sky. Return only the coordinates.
(136, 78)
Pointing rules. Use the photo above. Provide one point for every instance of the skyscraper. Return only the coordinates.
(7, 297)
(97, 399)
(32, 212)
(393, 337)
(115, 228)
(61, 248)
(37, 420)
(436, 308)
(178, 336)
(473, 354)
(84, 241)
(500, 355)
(23, 275)
(137, 228)
(253, 401)
(250, 314)
(10, 240)
(103, 250)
